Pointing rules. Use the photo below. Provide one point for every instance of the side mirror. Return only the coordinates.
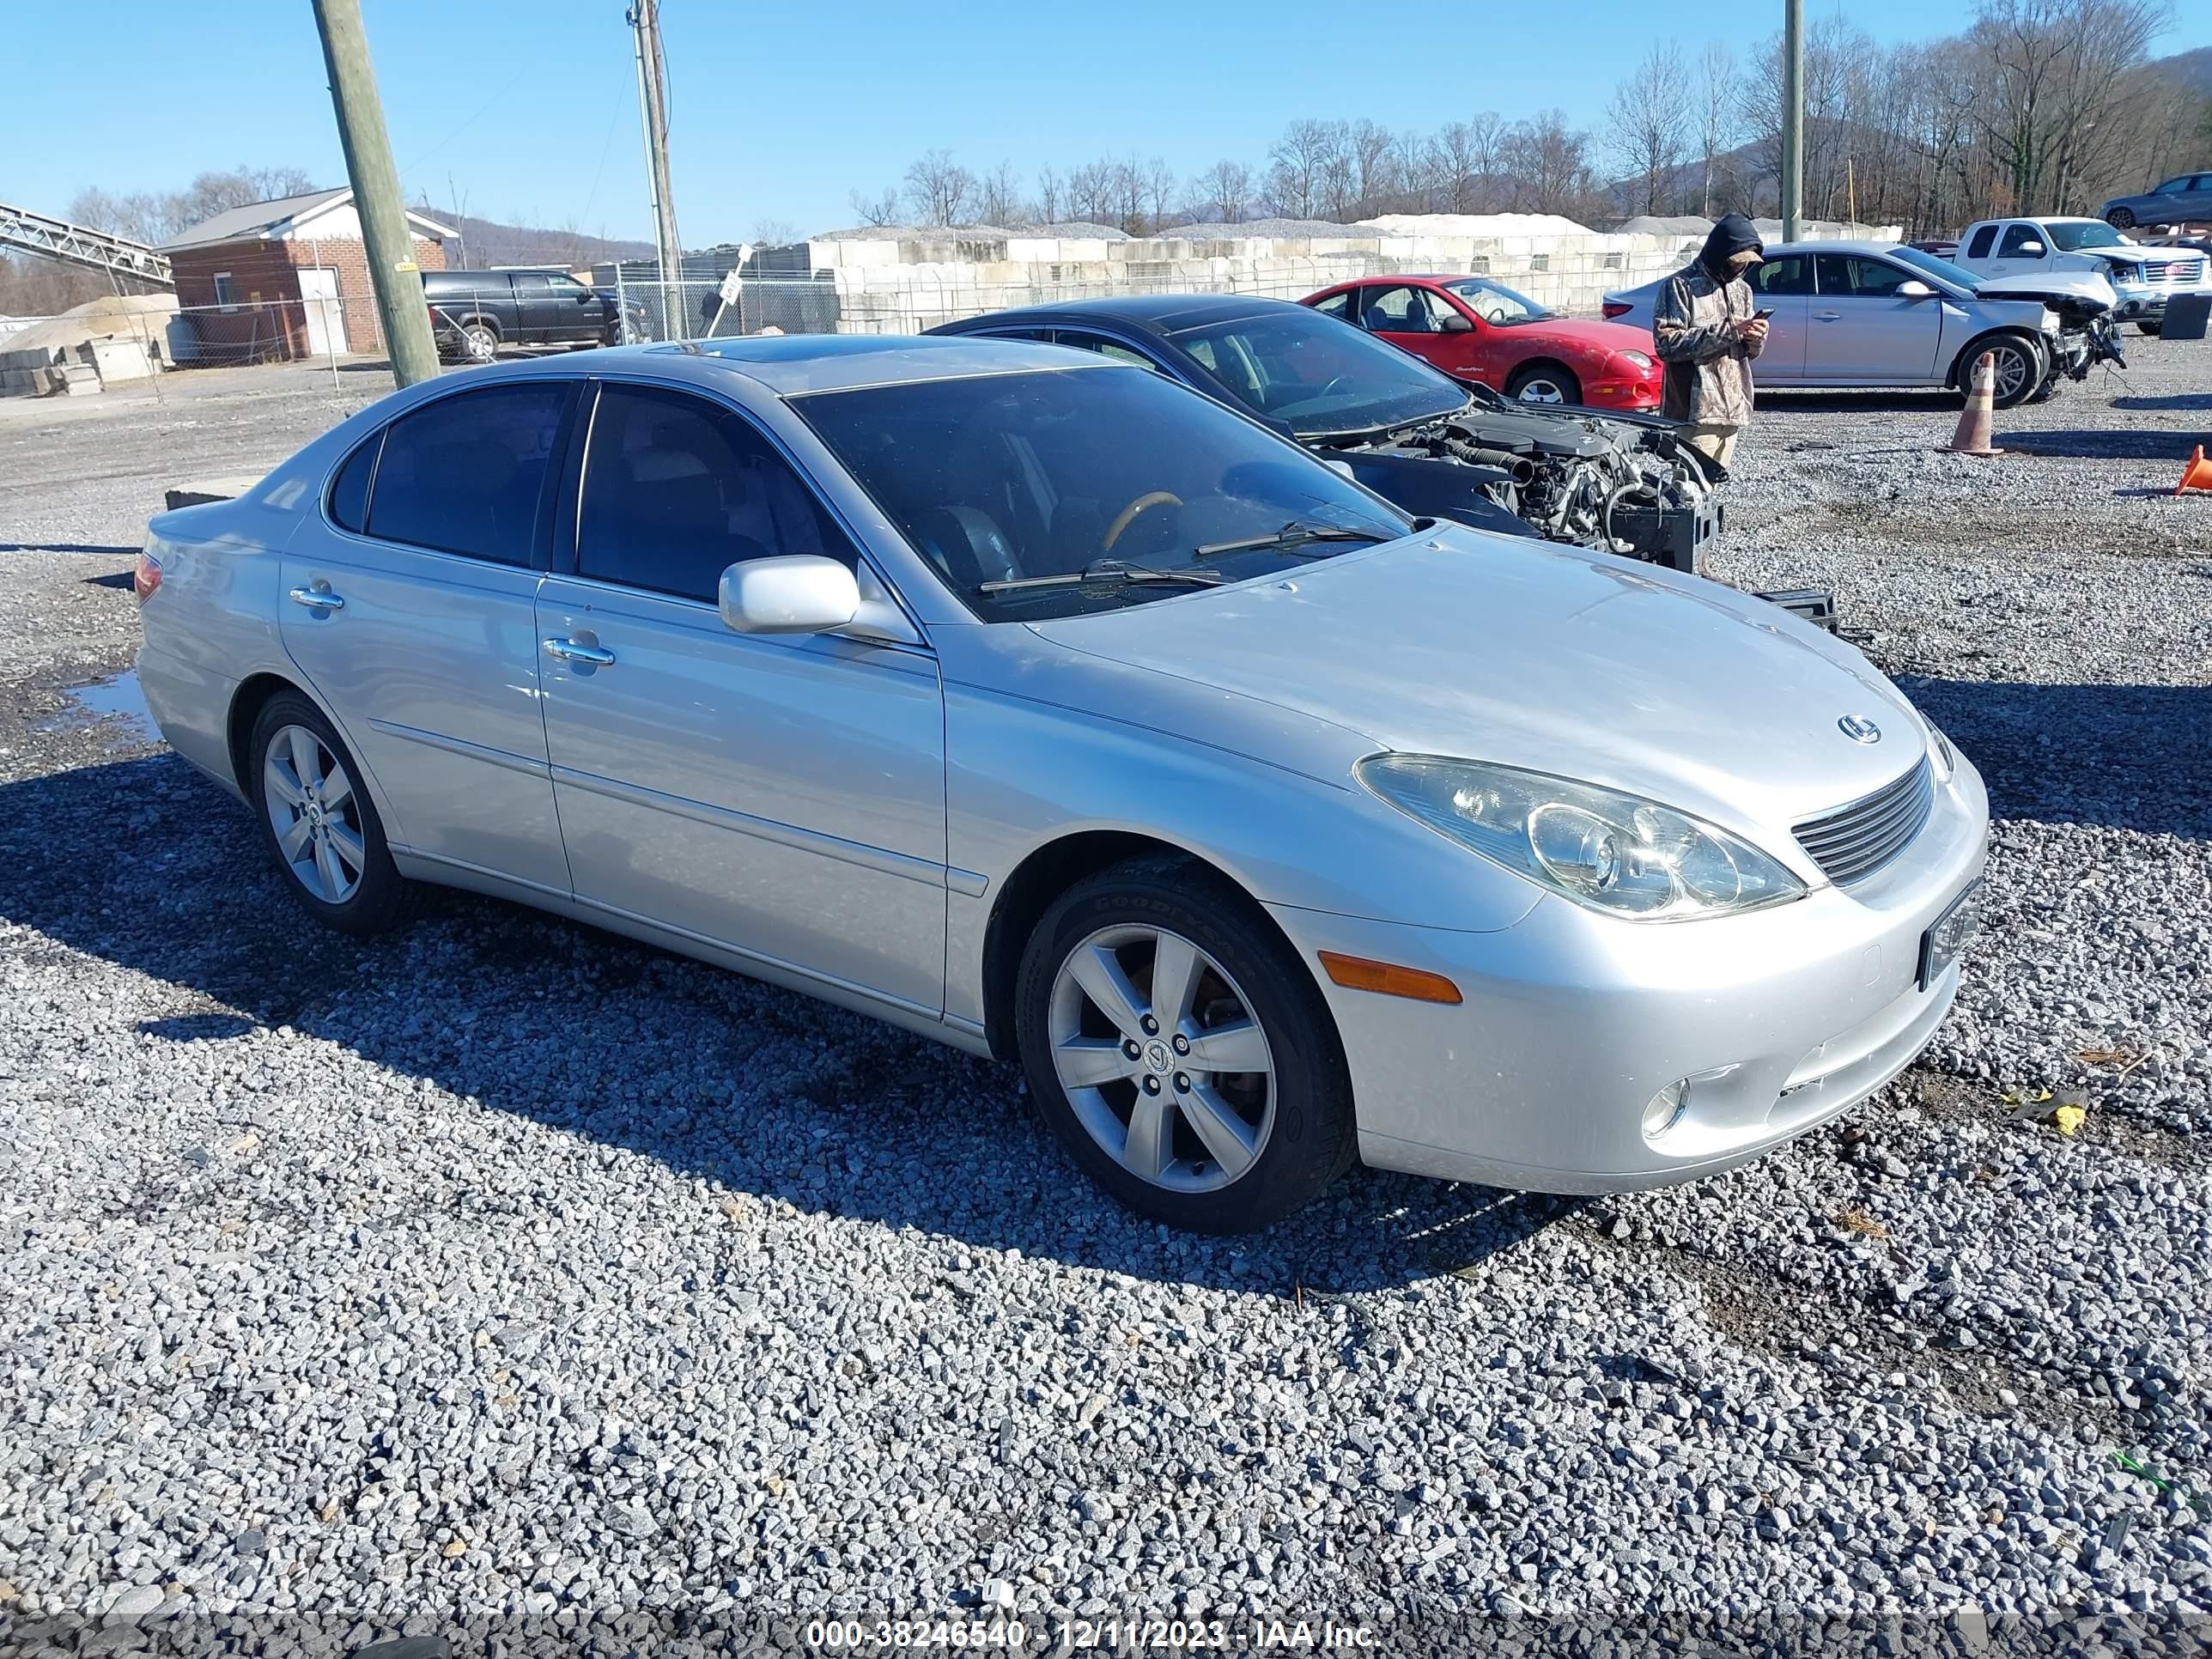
(1915, 290)
(794, 594)
(2030, 250)
(1456, 324)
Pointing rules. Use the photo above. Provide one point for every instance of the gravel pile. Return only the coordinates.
(501, 1271)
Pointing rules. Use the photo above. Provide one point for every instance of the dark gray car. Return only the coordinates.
(2182, 199)
(475, 313)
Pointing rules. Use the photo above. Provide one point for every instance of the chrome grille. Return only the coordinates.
(1854, 841)
(2174, 273)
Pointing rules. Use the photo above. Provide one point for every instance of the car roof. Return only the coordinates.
(1161, 313)
(788, 365)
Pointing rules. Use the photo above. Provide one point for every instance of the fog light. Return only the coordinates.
(1666, 1109)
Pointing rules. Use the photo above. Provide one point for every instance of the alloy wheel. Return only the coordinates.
(2013, 371)
(1162, 1057)
(313, 809)
(483, 344)
(1542, 390)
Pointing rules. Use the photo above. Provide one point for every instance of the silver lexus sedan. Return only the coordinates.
(1034, 703)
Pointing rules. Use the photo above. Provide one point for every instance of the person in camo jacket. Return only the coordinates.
(1707, 334)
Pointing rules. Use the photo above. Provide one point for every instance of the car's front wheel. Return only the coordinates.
(2020, 368)
(1544, 383)
(2120, 219)
(1180, 1052)
(320, 827)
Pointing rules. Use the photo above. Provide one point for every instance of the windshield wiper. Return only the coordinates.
(1289, 536)
(1105, 570)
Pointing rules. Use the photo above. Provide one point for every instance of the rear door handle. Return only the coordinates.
(1827, 316)
(316, 598)
(569, 651)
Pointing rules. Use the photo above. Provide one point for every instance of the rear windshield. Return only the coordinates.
(1320, 377)
(1003, 476)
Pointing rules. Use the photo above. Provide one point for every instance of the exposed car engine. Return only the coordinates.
(1621, 483)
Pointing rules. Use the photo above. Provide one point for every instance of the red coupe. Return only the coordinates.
(1483, 331)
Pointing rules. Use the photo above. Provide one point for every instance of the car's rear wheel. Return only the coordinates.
(2120, 219)
(480, 342)
(320, 826)
(2020, 368)
(1180, 1052)
(2151, 328)
(1544, 383)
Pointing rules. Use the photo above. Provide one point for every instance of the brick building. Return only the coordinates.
(287, 278)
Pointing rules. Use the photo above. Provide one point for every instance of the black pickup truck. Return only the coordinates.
(474, 312)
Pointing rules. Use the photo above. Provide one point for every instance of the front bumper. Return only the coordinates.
(1573, 1021)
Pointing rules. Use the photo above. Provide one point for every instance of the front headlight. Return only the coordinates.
(1640, 358)
(1940, 751)
(1615, 853)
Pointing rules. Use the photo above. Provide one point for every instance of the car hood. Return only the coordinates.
(2036, 285)
(1537, 655)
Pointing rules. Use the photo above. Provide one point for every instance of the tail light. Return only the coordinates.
(1616, 308)
(145, 577)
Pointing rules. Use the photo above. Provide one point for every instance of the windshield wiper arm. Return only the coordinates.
(1105, 570)
(1289, 536)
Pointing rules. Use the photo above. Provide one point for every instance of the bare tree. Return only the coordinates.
(772, 233)
(1091, 195)
(2057, 71)
(998, 198)
(1049, 194)
(1157, 181)
(1300, 167)
(155, 216)
(1717, 115)
(1648, 122)
(939, 189)
(1548, 163)
(1222, 192)
(879, 210)
(1372, 151)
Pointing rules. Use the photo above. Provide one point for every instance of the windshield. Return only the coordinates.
(1494, 302)
(2068, 235)
(1118, 472)
(1957, 275)
(1320, 377)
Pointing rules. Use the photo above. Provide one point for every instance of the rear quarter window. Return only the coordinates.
(466, 474)
(350, 490)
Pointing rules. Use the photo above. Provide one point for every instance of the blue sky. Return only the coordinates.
(780, 108)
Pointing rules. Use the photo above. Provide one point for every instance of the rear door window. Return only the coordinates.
(677, 489)
(1984, 240)
(1790, 273)
(467, 474)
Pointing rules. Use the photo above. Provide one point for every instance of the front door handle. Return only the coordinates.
(569, 651)
(316, 598)
(1826, 316)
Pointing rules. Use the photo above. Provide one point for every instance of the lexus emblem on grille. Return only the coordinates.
(1859, 729)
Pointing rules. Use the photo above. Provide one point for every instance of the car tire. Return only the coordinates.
(2151, 329)
(479, 343)
(340, 868)
(1288, 1123)
(1544, 383)
(2120, 219)
(2014, 387)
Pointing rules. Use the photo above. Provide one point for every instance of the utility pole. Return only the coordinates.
(1793, 117)
(652, 107)
(391, 268)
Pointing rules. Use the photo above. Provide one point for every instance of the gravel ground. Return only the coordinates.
(474, 1275)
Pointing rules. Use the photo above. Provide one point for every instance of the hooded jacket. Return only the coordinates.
(1707, 368)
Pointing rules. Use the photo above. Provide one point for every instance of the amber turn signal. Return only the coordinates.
(1358, 974)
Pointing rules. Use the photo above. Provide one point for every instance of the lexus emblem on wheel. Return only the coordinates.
(1859, 729)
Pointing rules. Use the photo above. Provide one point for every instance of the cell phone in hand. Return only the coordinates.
(1762, 314)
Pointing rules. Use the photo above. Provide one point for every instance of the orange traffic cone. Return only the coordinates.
(1972, 437)
(2198, 475)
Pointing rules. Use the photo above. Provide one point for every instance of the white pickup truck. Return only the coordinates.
(2143, 279)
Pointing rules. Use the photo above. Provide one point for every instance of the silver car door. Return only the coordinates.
(407, 607)
(1863, 332)
(781, 796)
(1783, 285)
